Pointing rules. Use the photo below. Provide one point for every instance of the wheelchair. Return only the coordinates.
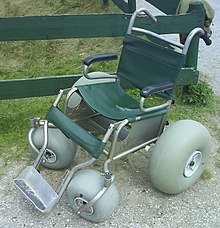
(105, 121)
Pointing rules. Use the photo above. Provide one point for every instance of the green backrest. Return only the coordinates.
(144, 62)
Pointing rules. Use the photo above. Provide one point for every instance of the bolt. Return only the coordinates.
(192, 163)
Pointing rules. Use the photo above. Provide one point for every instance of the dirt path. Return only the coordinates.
(140, 204)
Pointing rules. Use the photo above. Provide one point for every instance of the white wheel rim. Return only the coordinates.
(50, 157)
(74, 101)
(79, 201)
(193, 163)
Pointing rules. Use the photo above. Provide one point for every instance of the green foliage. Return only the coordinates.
(200, 94)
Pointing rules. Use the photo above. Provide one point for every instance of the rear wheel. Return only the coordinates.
(179, 156)
(60, 150)
(83, 187)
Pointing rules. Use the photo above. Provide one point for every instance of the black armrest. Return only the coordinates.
(99, 58)
(206, 39)
(155, 88)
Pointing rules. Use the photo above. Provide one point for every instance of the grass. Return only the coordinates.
(26, 59)
(48, 7)
(55, 57)
(14, 125)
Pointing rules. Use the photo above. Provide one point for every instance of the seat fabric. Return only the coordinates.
(110, 100)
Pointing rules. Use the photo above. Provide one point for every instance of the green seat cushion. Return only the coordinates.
(110, 100)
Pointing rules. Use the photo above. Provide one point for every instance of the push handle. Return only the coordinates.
(206, 39)
(134, 16)
(191, 35)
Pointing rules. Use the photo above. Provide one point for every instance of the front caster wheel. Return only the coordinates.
(179, 156)
(83, 187)
(60, 150)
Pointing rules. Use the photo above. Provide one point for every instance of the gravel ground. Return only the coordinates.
(140, 204)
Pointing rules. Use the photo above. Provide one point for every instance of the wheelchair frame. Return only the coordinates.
(124, 136)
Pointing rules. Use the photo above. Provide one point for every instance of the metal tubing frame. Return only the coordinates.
(127, 152)
(107, 184)
(31, 141)
(151, 109)
(44, 147)
(190, 37)
(108, 133)
(184, 47)
(147, 32)
(71, 173)
(87, 75)
(118, 126)
(134, 16)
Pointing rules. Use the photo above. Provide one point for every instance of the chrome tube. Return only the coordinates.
(135, 14)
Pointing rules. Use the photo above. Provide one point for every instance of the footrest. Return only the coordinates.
(35, 188)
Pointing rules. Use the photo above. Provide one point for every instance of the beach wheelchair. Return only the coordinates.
(105, 121)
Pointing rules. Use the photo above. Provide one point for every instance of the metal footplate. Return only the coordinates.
(35, 188)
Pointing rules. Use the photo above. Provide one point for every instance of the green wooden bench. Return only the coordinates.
(107, 25)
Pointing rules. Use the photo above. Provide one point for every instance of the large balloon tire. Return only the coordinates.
(179, 156)
(83, 187)
(60, 150)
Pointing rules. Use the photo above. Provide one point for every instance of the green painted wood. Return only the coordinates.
(62, 26)
(82, 26)
(47, 86)
(188, 76)
(174, 24)
(35, 87)
(131, 6)
(192, 55)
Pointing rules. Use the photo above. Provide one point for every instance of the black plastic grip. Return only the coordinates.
(206, 39)
(99, 58)
(156, 88)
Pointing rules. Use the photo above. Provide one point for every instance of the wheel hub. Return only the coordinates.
(79, 201)
(50, 157)
(193, 163)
